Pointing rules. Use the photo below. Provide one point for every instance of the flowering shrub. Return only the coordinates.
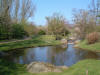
(92, 37)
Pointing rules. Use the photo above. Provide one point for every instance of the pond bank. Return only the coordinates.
(80, 68)
(34, 42)
(84, 46)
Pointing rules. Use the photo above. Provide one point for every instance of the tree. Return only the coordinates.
(31, 29)
(56, 25)
(84, 23)
(94, 10)
(5, 28)
(5, 19)
(23, 10)
(14, 11)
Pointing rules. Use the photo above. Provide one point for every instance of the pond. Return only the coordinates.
(56, 55)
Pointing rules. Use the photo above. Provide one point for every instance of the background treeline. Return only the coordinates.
(14, 17)
(87, 22)
(57, 25)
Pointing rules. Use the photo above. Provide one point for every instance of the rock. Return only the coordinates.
(76, 46)
(37, 67)
(63, 67)
(64, 41)
(77, 42)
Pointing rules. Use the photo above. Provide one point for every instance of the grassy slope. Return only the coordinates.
(93, 67)
(92, 47)
(35, 41)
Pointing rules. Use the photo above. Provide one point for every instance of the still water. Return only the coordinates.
(56, 55)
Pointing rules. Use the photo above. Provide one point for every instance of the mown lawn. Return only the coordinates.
(34, 42)
(92, 66)
(92, 47)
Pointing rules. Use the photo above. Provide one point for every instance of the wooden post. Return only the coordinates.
(86, 72)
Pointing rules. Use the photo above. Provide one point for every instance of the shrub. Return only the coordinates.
(92, 37)
(41, 32)
(18, 31)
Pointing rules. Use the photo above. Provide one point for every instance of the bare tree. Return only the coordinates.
(23, 9)
(84, 22)
(94, 9)
(56, 25)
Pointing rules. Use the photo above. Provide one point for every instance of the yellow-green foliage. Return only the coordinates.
(48, 37)
(35, 41)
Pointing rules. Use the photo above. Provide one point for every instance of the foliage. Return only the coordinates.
(41, 32)
(56, 25)
(92, 37)
(11, 12)
(84, 23)
(18, 31)
(48, 37)
(5, 28)
(31, 29)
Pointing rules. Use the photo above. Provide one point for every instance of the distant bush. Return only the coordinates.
(18, 31)
(92, 37)
(41, 32)
(58, 37)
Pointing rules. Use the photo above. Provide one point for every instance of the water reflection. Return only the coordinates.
(56, 55)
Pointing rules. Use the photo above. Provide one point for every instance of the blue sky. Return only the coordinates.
(64, 7)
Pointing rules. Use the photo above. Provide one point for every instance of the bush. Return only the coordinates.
(41, 32)
(18, 31)
(58, 37)
(92, 37)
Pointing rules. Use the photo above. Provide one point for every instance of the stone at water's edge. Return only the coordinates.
(76, 43)
(64, 43)
(36, 67)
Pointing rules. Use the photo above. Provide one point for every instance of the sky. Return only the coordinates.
(64, 7)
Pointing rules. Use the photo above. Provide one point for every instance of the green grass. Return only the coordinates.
(93, 67)
(35, 41)
(92, 47)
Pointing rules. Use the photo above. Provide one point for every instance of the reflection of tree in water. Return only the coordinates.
(56, 55)
(17, 52)
(91, 55)
(29, 56)
(13, 55)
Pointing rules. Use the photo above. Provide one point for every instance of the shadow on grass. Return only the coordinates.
(8, 68)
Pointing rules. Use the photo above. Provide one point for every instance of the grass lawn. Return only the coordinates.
(92, 66)
(92, 47)
(45, 40)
